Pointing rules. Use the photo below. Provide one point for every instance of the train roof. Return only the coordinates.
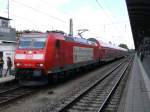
(90, 41)
(107, 45)
(66, 37)
(41, 34)
(34, 35)
(75, 38)
(80, 40)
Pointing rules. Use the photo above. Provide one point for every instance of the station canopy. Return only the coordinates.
(139, 15)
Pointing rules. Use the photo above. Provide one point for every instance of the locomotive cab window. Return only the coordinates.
(39, 43)
(32, 43)
(25, 43)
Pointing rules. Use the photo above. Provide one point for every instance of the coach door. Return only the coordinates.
(60, 53)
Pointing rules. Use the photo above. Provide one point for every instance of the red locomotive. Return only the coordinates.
(42, 55)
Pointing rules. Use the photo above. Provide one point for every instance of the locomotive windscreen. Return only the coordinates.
(31, 43)
(25, 43)
(39, 43)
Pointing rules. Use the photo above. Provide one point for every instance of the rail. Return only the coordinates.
(70, 104)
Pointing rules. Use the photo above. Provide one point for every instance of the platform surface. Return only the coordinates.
(138, 90)
(146, 65)
(6, 78)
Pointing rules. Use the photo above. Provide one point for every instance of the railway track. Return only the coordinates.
(97, 96)
(13, 93)
(8, 85)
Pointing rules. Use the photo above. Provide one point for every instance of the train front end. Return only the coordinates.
(30, 59)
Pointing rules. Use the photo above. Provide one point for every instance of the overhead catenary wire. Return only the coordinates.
(39, 11)
(109, 17)
(108, 8)
(47, 4)
(114, 16)
(29, 20)
(104, 10)
(46, 27)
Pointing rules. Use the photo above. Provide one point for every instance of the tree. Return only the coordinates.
(123, 46)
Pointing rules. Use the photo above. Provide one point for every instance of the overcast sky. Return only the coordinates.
(107, 20)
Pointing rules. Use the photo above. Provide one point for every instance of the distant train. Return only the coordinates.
(40, 56)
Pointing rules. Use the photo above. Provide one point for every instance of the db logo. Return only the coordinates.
(29, 56)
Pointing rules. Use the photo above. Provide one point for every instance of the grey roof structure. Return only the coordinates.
(9, 35)
(4, 18)
(139, 14)
(6, 33)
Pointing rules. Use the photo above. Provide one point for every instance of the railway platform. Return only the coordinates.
(4, 79)
(137, 93)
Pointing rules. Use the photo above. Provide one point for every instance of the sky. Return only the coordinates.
(106, 20)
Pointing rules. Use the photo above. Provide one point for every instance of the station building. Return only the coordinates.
(7, 40)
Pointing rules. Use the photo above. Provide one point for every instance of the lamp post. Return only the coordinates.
(8, 8)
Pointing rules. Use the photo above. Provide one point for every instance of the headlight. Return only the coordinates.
(30, 52)
(18, 64)
(40, 65)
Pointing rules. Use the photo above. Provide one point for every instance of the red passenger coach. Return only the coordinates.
(109, 52)
(43, 55)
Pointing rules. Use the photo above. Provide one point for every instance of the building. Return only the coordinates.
(7, 40)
